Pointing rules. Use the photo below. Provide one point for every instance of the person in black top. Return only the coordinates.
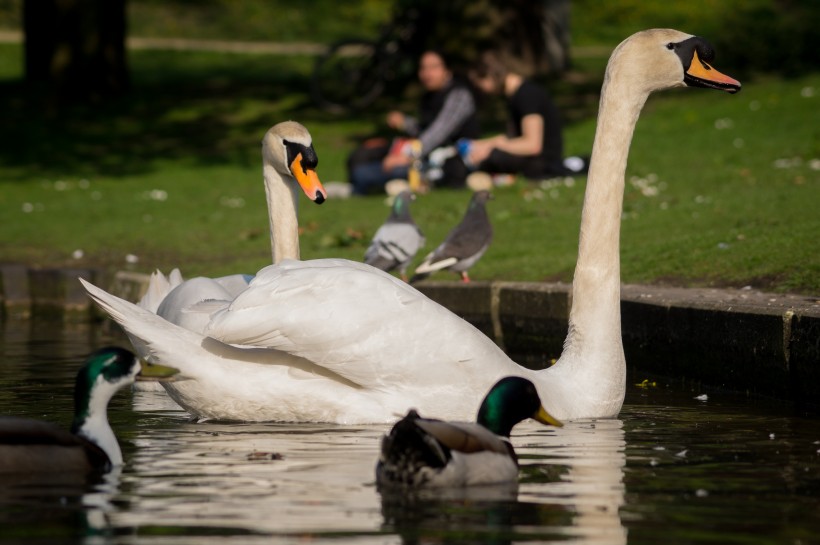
(447, 112)
(533, 145)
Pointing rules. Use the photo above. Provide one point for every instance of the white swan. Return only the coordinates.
(358, 345)
(289, 162)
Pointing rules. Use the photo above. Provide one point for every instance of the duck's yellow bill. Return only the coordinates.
(150, 371)
(546, 418)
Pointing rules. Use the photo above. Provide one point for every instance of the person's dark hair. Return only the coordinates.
(490, 65)
(443, 56)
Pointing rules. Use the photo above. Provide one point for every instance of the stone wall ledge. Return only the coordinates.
(740, 339)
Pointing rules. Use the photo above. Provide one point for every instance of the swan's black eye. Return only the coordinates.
(309, 158)
(670, 45)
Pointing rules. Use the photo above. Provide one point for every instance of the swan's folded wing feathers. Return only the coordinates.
(234, 284)
(282, 298)
(208, 306)
(353, 319)
(344, 336)
(311, 308)
(156, 339)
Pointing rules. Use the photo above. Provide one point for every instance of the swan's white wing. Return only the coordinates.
(358, 322)
(182, 306)
(146, 330)
(155, 339)
(234, 283)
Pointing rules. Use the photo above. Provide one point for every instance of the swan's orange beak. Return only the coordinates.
(701, 74)
(308, 180)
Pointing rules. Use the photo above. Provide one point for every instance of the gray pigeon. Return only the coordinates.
(464, 245)
(397, 240)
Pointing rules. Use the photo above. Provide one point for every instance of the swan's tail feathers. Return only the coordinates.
(175, 278)
(153, 337)
(159, 286)
(158, 340)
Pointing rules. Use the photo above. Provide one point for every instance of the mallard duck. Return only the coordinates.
(33, 446)
(464, 245)
(357, 345)
(420, 452)
(397, 240)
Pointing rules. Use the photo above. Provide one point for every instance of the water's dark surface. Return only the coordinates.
(671, 469)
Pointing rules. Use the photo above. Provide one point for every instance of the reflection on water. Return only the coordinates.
(277, 478)
(571, 487)
(671, 469)
(581, 467)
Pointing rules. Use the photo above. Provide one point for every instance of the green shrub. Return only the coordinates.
(750, 35)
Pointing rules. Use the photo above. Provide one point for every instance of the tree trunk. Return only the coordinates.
(75, 49)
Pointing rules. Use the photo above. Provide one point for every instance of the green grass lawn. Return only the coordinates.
(722, 190)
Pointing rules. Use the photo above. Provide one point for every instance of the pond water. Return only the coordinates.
(671, 469)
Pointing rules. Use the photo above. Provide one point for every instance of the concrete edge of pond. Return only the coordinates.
(740, 339)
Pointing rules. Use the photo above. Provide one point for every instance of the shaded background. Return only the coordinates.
(110, 149)
(80, 83)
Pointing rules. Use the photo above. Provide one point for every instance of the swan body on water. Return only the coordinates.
(330, 340)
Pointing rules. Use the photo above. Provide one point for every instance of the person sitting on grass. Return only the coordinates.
(447, 112)
(533, 145)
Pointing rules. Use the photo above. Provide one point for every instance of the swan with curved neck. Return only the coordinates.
(646, 62)
(289, 164)
(358, 345)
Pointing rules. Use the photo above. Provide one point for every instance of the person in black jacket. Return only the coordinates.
(447, 113)
(533, 145)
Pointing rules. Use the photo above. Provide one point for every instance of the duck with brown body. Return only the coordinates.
(426, 453)
(34, 446)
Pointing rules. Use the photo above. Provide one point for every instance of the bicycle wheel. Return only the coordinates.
(348, 77)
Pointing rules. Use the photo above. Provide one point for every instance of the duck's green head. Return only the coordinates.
(509, 401)
(106, 371)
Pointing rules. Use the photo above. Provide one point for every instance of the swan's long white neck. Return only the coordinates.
(283, 202)
(595, 315)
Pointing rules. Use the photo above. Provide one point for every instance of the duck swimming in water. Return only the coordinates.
(421, 453)
(34, 446)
